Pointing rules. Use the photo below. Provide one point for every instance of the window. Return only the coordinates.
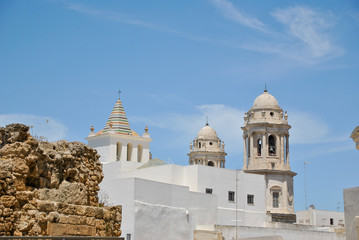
(331, 221)
(139, 153)
(211, 164)
(209, 190)
(272, 114)
(259, 147)
(119, 149)
(129, 151)
(210, 143)
(128, 237)
(199, 145)
(250, 199)
(276, 199)
(272, 145)
(231, 196)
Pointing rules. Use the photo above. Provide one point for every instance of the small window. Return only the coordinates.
(209, 190)
(128, 237)
(211, 164)
(331, 221)
(231, 195)
(210, 143)
(259, 147)
(272, 114)
(276, 199)
(273, 165)
(250, 199)
(199, 145)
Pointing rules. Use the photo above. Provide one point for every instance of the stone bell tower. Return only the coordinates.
(266, 151)
(207, 149)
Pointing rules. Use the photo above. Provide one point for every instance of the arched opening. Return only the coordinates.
(139, 152)
(129, 151)
(222, 164)
(199, 145)
(259, 147)
(271, 145)
(211, 164)
(118, 151)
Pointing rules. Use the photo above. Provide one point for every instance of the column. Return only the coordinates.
(245, 156)
(287, 148)
(264, 145)
(281, 149)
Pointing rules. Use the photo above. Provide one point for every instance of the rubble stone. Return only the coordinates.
(50, 189)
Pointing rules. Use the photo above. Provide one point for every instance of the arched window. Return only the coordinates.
(118, 151)
(271, 145)
(139, 153)
(199, 145)
(129, 151)
(211, 164)
(259, 147)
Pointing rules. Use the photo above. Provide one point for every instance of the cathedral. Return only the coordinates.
(160, 200)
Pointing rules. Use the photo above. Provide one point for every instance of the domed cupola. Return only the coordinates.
(265, 101)
(207, 132)
(265, 109)
(207, 148)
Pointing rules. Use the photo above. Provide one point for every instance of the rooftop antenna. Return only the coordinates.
(207, 121)
(265, 87)
(305, 185)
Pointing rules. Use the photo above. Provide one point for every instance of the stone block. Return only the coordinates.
(58, 229)
(46, 206)
(8, 201)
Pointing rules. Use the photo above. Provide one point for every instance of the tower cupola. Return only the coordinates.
(207, 149)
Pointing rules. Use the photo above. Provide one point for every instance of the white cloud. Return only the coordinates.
(307, 129)
(234, 14)
(123, 18)
(44, 126)
(227, 122)
(308, 26)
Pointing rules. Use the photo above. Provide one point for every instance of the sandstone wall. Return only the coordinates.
(51, 188)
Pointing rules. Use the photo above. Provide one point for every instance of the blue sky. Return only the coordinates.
(177, 62)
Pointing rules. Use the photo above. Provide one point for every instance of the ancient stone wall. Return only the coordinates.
(51, 188)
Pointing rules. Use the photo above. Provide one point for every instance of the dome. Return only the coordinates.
(207, 132)
(265, 100)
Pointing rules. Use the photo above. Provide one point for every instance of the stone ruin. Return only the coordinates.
(50, 189)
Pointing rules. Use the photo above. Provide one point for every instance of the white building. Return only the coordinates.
(168, 201)
(320, 218)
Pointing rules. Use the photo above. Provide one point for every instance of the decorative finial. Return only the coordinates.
(207, 121)
(146, 129)
(285, 115)
(92, 128)
(119, 92)
(265, 87)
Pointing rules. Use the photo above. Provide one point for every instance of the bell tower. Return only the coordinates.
(266, 152)
(207, 149)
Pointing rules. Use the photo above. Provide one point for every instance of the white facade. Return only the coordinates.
(320, 218)
(170, 186)
(114, 147)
